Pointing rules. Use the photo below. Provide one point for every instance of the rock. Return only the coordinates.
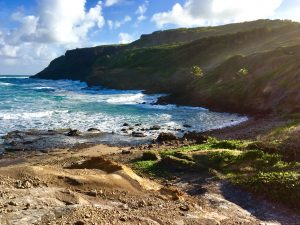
(194, 136)
(150, 155)
(142, 203)
(187, 126)
(177, 164)
(138, 134)
(94, 130)
(155, 127)
(138, 124)
(79, 223)
(27, 184)
(73, 133)
(172, 192)
(123, 219)
(13, 203)
(15, 149)
(126, 152)
(166, 137)
(92, 193)
(125, 125)
(123, 129)
(184, 208)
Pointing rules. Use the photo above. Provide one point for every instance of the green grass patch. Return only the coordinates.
(282, 187)
(147, 167)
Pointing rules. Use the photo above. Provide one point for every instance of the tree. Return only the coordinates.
(197, 71)
(243, 72)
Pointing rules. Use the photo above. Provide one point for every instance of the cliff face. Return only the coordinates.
(248, 67)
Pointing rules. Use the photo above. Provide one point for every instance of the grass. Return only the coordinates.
(255, 170)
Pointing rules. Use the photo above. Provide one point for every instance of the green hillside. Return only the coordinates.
(247, 67)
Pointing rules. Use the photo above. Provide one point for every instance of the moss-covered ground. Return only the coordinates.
(237, 161)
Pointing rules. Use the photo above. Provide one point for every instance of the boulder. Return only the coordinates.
(155, 127)
(196, 137)
(138, 134)
(94, 130)
(150, 155)
(73, 133)
(164, 137)
(126, 152)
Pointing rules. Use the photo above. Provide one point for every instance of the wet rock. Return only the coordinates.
(138, 134)
(138, 124)
(196, 137)
(125, 125)
(17, 148)
(187, 126)
(94, 130)
(155, 127)
(73, 133)
(166, 137)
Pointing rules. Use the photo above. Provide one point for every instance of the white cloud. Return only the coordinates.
(109, 3)
(125, 38)
(57, 25)
(142, 9)
(211, 12)
(117, 24)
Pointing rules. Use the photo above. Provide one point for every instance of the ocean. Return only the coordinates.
(27, 103)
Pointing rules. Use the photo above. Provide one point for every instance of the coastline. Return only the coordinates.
(88, 184)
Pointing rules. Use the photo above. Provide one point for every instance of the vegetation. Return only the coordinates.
(161, 62)
(243, 72)
(255, 170)
(196, 71)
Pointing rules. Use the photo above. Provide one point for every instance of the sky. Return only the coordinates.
(33, 32)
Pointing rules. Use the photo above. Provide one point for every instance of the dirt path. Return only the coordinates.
(84, 186)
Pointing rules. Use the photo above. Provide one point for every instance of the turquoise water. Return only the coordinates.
(27, 103)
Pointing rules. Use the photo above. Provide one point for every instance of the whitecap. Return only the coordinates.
(25, 115)
(5, 84)
(126, 99)
(14, 77)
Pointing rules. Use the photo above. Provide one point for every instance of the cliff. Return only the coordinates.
(250, 68)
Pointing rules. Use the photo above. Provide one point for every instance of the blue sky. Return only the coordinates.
(33, 32)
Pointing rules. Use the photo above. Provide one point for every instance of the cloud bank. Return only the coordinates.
(213, 12)
(59, 24)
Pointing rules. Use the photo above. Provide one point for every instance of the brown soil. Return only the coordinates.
(91, 186)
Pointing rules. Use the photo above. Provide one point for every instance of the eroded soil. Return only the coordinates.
(92, 186)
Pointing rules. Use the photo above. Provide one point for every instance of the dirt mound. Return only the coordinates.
(97, 163)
